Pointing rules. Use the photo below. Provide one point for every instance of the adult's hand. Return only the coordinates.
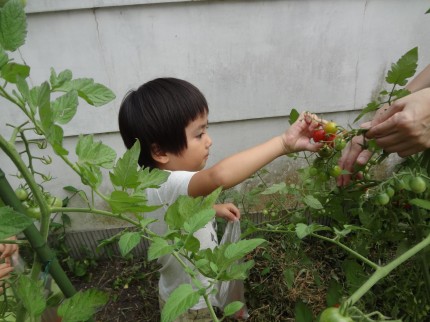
(7, 250)
(404, 127)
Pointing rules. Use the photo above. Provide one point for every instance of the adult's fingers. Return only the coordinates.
(352, 154)
(8, 249)
(385, 112)
(382, 129)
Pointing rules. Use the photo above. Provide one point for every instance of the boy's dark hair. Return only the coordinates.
(157, 113)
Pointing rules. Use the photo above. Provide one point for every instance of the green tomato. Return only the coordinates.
(297, 217)
(323, 177)
(34, 212)
(332, 314)
(381, 199)
(339, 144)
(417, 184)
(55, 202)
(313, 171)
(399, 184)
(21, 194)
(390, 191)
(335, 171)
(325, 151)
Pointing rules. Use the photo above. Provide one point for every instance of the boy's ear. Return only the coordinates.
(158, 154)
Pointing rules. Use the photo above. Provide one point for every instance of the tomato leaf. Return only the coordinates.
(289, 275)
(121, 201)
(94, 153)
(151, 178)
(159, 247)
(303, 230)
(94, 93)
(31, 295)
(232, 308)
(198, 220)
(238, 250)
(4, 58)
(82, 305)
(10, 71)
(312, 202)
(302, 312)
(64, 107)
(275, 188)
(128, 241)
(125, 172)
(405, 67)
(13, 24)
(425, 204)
(181, 299)
(294, 115)
(63, 77)
(12, 222)
(371, 107)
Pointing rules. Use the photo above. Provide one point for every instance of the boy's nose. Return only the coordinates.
(209, 142)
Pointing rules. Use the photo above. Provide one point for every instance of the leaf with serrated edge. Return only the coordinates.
(95, 153)
(13, 24)
(12, 222)
(128, 241)
(159, 247)
(30, 292)
(404, 68)
(82, 305)
(181, 299)
(125, 171)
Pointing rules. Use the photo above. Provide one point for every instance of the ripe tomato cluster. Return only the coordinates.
(332, 136)
(334, 139)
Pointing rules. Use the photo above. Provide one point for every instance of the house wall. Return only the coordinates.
(253, 60)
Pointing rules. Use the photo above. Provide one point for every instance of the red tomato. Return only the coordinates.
(318, 135)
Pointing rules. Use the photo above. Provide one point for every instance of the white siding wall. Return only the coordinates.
(254, 60)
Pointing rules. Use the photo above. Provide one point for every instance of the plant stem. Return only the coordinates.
(349, 250)
(198, 284)
(383, 271)
(14, 156)
(94, 211)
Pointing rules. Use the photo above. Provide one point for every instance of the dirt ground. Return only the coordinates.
(132, 289)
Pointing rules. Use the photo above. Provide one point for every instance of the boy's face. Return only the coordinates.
(195, 156)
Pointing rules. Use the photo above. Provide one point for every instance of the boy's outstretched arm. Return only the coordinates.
(238, 167)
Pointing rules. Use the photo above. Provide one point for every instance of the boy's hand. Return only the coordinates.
(227, 211)
(298, 136)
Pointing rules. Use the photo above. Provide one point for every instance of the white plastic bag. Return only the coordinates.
(230, 291)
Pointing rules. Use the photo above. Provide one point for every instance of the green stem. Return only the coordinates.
(349, 250)
(198, 284)
(14, 156)
(383, 271)
(94, 211)
(11, 99)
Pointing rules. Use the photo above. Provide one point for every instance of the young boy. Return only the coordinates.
(170, 119)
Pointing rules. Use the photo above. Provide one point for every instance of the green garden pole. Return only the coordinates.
(38, 244)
